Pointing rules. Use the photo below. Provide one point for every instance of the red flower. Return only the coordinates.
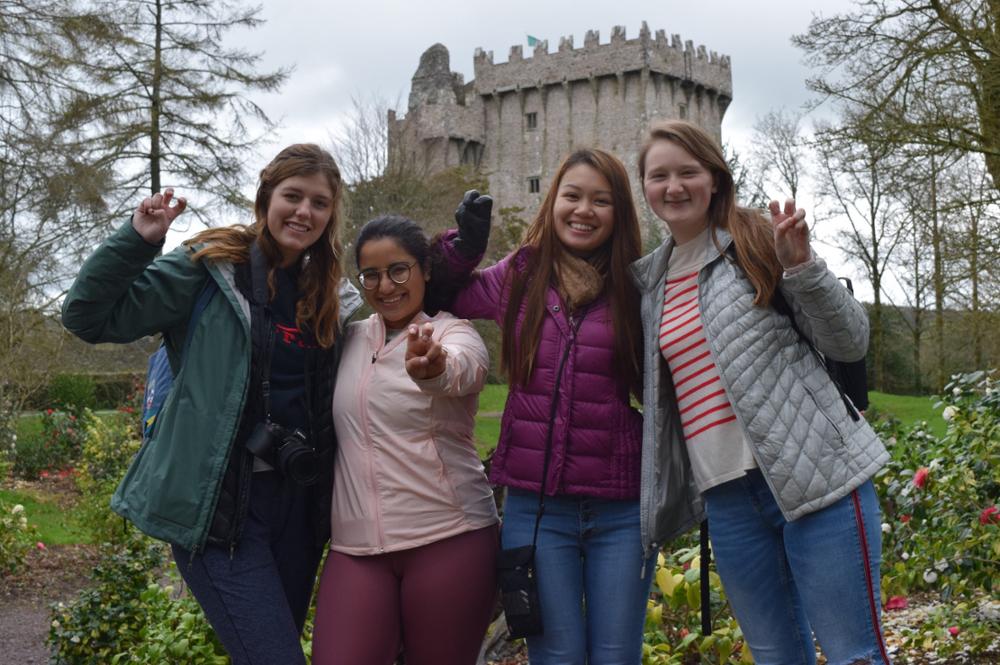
(990, 515)
(684, 632)
(44, 474)
(40, 545)
(904, 518)
(954, 631)
(896, 603)
(920, 477)
(48, 412)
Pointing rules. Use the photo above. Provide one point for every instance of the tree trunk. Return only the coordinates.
(154, 106)
(938, 278)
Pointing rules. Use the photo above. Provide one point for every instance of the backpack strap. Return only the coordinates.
(780, 304)
(199, 308)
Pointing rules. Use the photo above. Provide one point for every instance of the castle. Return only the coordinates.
(517, 119)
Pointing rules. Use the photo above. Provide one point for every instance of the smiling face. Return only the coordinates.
(678, 189)
(298, 213)
(583, 212)
(396, 303)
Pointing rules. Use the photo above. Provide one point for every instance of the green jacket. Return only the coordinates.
(124, 292)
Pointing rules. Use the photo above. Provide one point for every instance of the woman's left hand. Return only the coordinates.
(791, 234)
(425, 358)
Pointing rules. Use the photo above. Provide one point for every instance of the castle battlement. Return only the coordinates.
(515, 121)
(655, 52)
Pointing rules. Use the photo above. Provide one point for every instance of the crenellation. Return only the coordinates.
(482, 56)
(515, 120)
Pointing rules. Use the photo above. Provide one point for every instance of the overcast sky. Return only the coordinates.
(341, 50)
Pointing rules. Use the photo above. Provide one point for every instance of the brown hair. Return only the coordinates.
(753, 235)
(529, 287)
(319, 280)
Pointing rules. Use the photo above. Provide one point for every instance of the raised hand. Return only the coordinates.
(155, 215)
(791, 234)
(425, 358)
(473, 219)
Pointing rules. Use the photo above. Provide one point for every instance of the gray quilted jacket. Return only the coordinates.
(808, 445)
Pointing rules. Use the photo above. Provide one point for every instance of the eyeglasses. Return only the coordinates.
(398, 273)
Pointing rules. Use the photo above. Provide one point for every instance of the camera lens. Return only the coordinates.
(297, 460)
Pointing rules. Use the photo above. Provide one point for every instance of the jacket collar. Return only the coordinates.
(648, 271)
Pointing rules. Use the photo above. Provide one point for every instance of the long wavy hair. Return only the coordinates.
(752, 233)
(319, 278)
(542, 251)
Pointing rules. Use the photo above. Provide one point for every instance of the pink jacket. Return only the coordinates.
(407, 472)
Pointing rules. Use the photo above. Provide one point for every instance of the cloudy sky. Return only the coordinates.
(341, 50)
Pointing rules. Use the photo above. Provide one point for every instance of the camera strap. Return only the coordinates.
(260, 322)
(575, 327)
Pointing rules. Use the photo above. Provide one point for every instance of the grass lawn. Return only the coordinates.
(493, 397)
(909, 409)
(56, 525)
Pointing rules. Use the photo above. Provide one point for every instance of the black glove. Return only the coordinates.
(473, 217)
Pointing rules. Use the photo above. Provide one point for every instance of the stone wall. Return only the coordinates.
(517, 119)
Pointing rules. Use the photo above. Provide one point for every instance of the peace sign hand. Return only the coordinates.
(791, 234)
(425, 358)
(155, 215)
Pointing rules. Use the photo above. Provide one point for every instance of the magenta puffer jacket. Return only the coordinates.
(597, 435)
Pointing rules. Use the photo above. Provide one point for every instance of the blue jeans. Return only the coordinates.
(788, 580)
(257, 596)
(591, 584)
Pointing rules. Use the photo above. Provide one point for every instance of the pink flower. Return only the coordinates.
(49, 412)
(43, 474)
(954, 630)
(990, 515)
(920, 477)
(896, 603)
(40, 545)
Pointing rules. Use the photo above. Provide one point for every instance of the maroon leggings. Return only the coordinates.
(436, 600)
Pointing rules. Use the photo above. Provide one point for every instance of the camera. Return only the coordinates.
(287, 450)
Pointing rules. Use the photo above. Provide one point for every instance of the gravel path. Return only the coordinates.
(54, 574)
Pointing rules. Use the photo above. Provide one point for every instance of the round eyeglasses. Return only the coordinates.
(397, 272)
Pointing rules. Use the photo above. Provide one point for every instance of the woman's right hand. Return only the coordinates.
(155, 215)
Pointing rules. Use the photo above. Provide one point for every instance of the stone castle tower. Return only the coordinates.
(517, 119)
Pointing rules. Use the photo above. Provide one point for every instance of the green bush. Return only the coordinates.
(109, 445)
(941, 523)
(673, 633)
(72, 392)
(111, 391)
(57, 447)
(175, 631)
(94, 627)
(16, 538)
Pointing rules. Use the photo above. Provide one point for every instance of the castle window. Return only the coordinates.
(534, 185)
(683, 111)
(531, 120)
